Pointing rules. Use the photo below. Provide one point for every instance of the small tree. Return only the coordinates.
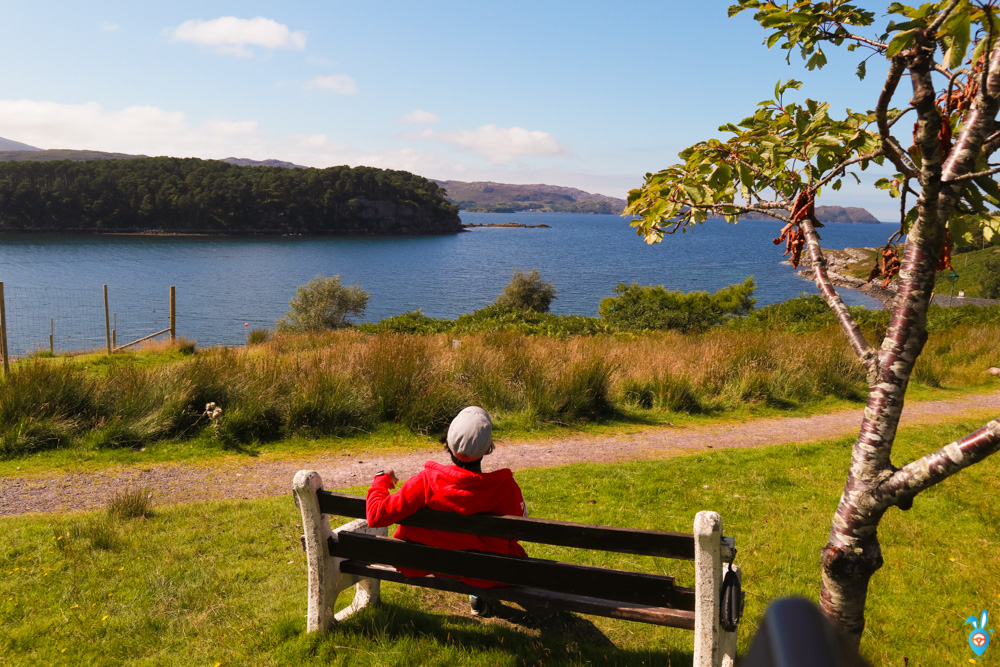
(527, 291)
(323, 303)
(777, 161)
(991, 281)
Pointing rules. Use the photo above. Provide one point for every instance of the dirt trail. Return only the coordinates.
(184, 483)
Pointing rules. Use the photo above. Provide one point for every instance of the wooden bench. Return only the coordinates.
(357, 555)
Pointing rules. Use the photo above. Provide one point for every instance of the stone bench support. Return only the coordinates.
(326, 581)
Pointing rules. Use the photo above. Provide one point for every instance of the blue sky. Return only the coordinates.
(585, 94)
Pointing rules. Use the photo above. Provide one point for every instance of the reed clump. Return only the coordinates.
(345, 382)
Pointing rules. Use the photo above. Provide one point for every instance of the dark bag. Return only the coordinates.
(731, 606)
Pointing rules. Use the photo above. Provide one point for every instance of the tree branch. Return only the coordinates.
(764, 208)
(839, 169)
(938, 466)
(878, 46)
(941, 18)
(889, 143)
(969, 142)
(866, 353)
(969, 177)
(991, 144)
(900, 115)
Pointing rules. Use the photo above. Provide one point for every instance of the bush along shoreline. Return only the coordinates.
(345, 383)
(652, 352)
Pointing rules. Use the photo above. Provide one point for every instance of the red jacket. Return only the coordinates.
(449, 489)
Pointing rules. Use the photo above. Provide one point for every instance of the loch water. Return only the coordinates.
(229, 285)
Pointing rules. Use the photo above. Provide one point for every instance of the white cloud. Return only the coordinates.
(108, 26)
(145, 130)
(338, 83)
(419, 116)
(228, 34)
(503, 144)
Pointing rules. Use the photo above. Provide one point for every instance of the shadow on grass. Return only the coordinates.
(394, 634)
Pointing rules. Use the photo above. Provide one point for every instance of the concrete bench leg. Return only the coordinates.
(326, 581)
(713, 647)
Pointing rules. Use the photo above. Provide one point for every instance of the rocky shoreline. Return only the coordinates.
(835, 265)
(508, 225)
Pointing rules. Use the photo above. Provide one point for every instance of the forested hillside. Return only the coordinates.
(174, 195)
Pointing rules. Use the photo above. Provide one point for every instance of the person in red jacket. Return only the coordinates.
(460, 487)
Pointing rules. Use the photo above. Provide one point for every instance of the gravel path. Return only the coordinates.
(185, 483)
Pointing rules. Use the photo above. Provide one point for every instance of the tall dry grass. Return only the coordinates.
(343, 382)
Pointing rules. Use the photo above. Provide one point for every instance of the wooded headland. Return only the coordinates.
(193, 196)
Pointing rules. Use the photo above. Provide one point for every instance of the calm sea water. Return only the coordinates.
(226, 286)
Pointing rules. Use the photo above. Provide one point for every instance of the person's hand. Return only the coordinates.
(393, 480)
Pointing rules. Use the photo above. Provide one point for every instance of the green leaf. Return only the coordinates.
(861, 70)
(817, 61)
(903, 40)
(956, 31)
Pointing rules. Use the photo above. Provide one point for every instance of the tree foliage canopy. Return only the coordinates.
(192, 195)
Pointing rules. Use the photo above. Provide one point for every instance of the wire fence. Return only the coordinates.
(72, 319)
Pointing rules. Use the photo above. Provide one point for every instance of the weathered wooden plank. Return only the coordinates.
(542, 531)
(533, 597)
(638, 588)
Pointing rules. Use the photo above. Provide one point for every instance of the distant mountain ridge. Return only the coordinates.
(475, 196)
(490, 197)
(246, 162)
(54, 155)
(10, 145)
(829, 214)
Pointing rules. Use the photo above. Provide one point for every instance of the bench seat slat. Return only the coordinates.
(523, 595)
(638, 588)
(559, 533)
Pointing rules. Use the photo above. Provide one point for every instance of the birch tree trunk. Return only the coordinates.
(853, 554)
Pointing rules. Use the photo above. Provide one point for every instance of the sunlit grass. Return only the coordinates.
(348, 387)
(225, 581)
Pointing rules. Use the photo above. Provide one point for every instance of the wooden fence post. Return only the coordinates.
(3, 333)
(114, 334)
(173, 313)
(107, 318)
(52, 335)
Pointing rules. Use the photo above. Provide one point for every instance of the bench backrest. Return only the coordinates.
(540, 531)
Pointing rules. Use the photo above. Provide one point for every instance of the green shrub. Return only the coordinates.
(247, 423)
(638, 307)
(806, 312)
(325, 403)
(990, 288)
(323, 303)
(131, 504)
(100, 531)
(32, 433)
(526, 291)
(412, 322)
(258, 336)
(582, 392)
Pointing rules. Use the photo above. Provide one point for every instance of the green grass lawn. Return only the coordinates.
(971, 270)
(224, 583)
